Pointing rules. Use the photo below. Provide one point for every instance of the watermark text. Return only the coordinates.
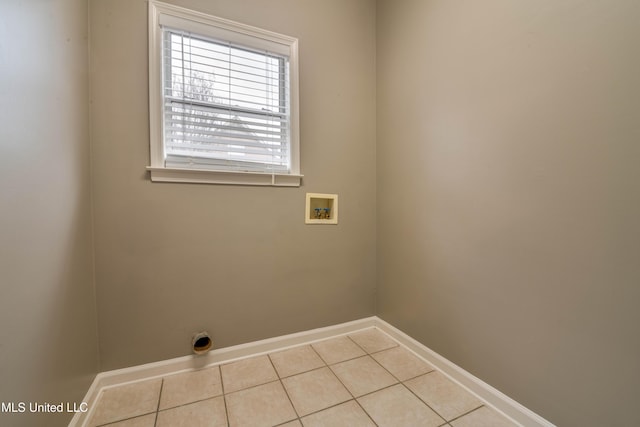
(42, 407)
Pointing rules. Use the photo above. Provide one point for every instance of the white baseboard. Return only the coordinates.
(494, 398)
(214, 357)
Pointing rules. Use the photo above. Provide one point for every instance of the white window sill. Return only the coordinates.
(202, 176)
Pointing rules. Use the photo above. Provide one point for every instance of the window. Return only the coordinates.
(223, 101)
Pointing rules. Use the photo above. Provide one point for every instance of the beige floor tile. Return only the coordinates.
(348, 414)
(247, 373)
(445, 397)
(362, 375)
(402, 363)
(483, 417)
(294, 423)
(190, 387)
(127, 401)
(207, 413)
(295, 361)
(264, 405)
(338, 349)
(372, 340)
(143, 421)
(315, 390)
(398, 407)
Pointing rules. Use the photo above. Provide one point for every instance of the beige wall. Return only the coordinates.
(509, 196)
(48, 337)
(173, 259)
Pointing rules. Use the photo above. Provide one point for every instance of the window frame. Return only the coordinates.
(211, 26)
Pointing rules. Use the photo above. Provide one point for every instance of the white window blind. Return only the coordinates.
(225, 106)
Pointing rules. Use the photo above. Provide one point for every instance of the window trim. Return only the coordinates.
(205, 24)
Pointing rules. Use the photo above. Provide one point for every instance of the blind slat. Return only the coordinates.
(190, 97)
(187, 136)
(181, 125)
(226, 109)
(213, 151)
(217, 164)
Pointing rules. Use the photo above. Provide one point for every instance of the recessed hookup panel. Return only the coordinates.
(321, 209)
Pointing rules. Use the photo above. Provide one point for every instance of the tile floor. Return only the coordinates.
(362, 379)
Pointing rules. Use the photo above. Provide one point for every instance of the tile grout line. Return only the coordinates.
(358, 345)
(326, 365)
(155, 421)
(369, 355)
(182, 405)
(111, 423)
(440, 415)
(224, 395)
(318, 354)
(291, 402)
(421, 400)
(333, 373)
(417, 376)
(191, 402)
(253, 386)
(365, 411)
(155, 412)
(336, 405)
(303, 372)
(345, 387)
(466, 413)
(284, 388)
(345, 360)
